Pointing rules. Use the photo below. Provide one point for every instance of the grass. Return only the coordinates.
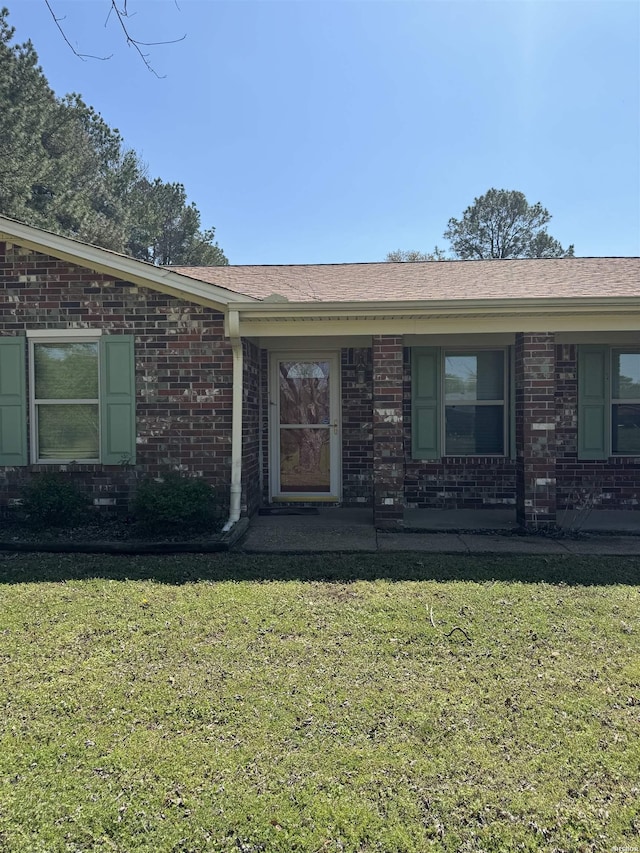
(231, 703)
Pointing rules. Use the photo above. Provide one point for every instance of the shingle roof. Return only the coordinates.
(566, 277)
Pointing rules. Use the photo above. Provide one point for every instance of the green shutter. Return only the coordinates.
(425, 403)
(593, 402)
(117, 400)
(13, 402)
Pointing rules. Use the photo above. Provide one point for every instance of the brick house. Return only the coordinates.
(470, 384)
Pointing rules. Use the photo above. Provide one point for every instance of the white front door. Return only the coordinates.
(304, 404)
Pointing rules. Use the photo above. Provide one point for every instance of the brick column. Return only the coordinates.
(535, 430)
(388, 444)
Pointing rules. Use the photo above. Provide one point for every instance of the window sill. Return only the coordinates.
(460, 460)
(44, 467)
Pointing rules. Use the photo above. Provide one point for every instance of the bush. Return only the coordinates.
(52, 500)
(175, 505)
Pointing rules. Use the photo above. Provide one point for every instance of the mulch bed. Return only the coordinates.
(117, 534)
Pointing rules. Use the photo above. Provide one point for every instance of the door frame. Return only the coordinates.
(335, 435)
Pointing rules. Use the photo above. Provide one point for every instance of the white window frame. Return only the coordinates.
(505, 402)
(59, 336)
(619, 401)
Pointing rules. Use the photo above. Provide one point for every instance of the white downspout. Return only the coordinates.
(236, 421)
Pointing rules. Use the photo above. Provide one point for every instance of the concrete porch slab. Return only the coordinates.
(460, 519)
(332, 529)
(572, 521)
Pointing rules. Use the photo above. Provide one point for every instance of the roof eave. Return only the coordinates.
(370, 308)
(107, 262)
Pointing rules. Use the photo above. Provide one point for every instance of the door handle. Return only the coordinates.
(335, 427)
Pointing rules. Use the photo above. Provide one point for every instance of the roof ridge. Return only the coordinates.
(413, 264)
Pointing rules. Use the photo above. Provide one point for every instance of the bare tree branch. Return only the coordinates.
(123, 15)
(135, 43)
(82, 56)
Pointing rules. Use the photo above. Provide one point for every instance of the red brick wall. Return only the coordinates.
(388, 430)
(251, 418)
(357, 427)
(264, 423)
(183, 368)
(535, 377)
(459, 483)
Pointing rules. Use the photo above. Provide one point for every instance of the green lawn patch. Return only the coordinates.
(236, 703)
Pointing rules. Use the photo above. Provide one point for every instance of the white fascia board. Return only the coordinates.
(139, 273)
(460, 325)
(437, 308)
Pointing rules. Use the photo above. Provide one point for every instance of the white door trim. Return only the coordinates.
(335, 433)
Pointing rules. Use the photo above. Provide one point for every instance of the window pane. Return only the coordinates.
(304, 460)
(491, 375)
(461, 373)
(304, 392)
(68, 432)
(66, 371)
(472, 430)
(478, 376)
(626, 376)
(625, 431)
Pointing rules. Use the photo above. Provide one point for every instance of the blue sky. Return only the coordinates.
(311, 132)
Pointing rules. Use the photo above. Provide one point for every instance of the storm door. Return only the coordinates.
(305, 439)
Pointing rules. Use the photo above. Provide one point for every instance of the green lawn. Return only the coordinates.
(235, 703)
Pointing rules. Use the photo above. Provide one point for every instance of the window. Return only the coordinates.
(65, 401)
(608, 402)
(79, 392)
(474, 403)
(459, 402)
(625, 402)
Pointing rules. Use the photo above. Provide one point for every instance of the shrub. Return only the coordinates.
(175, 504)
(52, 500)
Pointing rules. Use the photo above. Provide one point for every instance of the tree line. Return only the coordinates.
(65, 170)
(498, 225)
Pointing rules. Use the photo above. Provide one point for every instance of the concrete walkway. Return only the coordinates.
(352, 530)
